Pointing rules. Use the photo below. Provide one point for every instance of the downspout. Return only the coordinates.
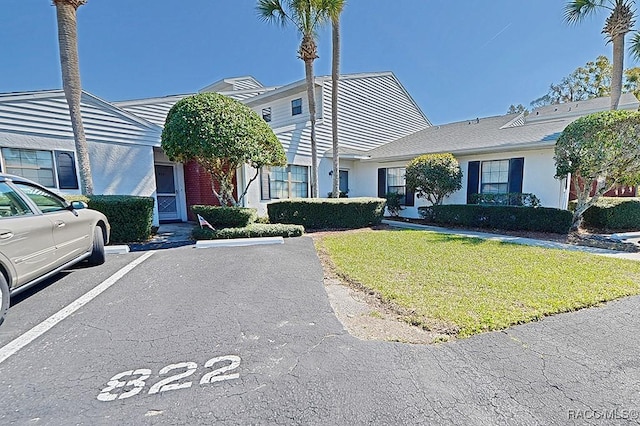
(243, 178)
(564, 202)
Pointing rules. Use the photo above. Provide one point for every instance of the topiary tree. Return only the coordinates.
(434, 176)
(603, 147)
(221, 134)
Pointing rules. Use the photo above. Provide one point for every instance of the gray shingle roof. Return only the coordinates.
(494, 134)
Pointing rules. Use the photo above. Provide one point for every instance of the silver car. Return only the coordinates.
(42, 234)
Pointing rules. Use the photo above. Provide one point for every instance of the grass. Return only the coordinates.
(464, 286)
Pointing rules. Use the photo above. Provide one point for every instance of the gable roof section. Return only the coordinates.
(235, 83)
(45, 113)
(154, 110)
(491, 134)
(374, 109)
(320, 81)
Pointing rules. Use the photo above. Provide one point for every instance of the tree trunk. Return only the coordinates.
(308, 66)
(335, 76)
(618, 64)
(68, 41)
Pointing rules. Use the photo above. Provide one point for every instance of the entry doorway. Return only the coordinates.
(344, 181)
(166, 193)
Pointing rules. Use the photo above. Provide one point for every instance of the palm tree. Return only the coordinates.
(307, 16)
(336, 11)
(68, 40)
(619, 23)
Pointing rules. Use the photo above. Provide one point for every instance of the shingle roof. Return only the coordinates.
(502, 133)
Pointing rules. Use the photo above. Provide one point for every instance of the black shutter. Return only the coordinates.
(516, 169)
(382, 182)
(473, 180)
(409, 198)
(66, 168)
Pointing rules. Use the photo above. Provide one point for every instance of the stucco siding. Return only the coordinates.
(538, 178)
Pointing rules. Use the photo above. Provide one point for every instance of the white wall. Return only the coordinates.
(539, 171)
(117, 169)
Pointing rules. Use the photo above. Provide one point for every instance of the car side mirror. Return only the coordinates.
(78, 205)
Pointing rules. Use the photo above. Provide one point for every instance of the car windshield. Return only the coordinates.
(46, 201)
(11, 204)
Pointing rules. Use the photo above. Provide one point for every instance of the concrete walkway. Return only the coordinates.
(514, 240)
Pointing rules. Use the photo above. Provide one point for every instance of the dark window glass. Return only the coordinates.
(296, 106)
(266, 114)
(66, 166)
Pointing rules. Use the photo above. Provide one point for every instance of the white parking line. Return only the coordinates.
(37, 331)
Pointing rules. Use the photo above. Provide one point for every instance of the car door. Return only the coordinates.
(72, 232)
(26, 238)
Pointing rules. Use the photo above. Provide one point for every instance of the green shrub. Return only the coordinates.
(322, 213)
(226, 217)
(613, 213)
(539, 219)
(130, 217)
(75, 197)
(510, 199)
(254, 230)
(394, 203)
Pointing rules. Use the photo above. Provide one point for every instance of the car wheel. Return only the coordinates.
(4, 297)
(97, 253)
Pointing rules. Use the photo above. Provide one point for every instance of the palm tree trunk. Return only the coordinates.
(335, 76)
(308, 68)
(616, 78)
(68, 41)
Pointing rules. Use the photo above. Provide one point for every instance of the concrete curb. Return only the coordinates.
(121, 249)
(239, 242)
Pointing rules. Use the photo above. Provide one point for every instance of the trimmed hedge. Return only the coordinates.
(254, 230)
(613, 213)
(130, 216)
(541, 219)
(322, 213)
(226, 217)
(511, 199)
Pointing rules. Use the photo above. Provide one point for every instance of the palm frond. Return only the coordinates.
(272, 11)
(634, 46)
(576, 11)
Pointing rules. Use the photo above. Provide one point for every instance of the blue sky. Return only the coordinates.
(458, 59)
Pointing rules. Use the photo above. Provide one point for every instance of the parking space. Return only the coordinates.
(183, 329)
(246, 335)
(36, 304)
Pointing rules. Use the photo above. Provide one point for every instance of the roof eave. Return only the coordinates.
(527, 146)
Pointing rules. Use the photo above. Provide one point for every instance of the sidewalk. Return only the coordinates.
(514, 240)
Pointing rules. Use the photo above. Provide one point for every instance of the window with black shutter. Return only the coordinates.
(66, 169)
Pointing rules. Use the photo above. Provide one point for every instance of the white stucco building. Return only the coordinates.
(380, 127)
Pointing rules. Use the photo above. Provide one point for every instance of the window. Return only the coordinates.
(55, 169)
(46, 201)
(11, 204)
(495, 177)
(396, 181)
(296, 106)
(266, 114)
(285, 182)
(30, 164)
(393, 180)
(66, 168)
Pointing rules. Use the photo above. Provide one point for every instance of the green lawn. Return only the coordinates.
(465, 286)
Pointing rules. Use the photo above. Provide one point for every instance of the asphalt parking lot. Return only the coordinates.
(246, 335)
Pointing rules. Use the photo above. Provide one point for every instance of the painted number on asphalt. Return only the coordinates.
(132, 382)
